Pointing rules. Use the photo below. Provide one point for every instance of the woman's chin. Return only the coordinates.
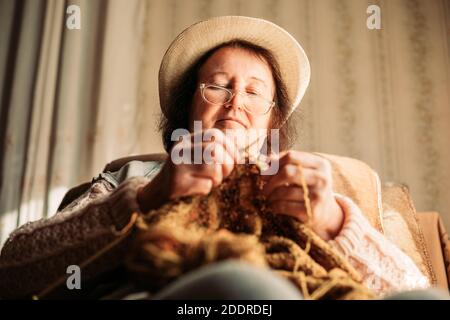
(229, 124)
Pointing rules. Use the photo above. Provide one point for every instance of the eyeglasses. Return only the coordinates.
(253, 102)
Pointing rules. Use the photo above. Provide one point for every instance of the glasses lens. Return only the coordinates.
(257, 104)
(253, 103)
(216, 95)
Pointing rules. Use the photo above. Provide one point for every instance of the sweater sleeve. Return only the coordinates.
(38, 253)
(384, 267)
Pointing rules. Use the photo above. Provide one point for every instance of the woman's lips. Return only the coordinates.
(232, 121)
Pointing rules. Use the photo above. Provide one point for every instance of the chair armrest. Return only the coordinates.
(438, 245)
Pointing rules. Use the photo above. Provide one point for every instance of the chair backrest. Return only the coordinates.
(438, 244)
(402, 227)
(358, 181)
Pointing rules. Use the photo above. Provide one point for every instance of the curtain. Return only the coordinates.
(72, 100)
(63, 92)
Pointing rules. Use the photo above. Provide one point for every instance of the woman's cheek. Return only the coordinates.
(208, 119)
(202, 114)
(260, 122)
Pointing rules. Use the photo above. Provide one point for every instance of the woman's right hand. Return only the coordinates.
(185, 179)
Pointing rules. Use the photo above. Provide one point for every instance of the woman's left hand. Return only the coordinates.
(284, 192)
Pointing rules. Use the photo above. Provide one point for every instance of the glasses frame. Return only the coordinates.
(232, 93)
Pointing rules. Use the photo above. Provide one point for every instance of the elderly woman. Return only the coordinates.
(232, 74)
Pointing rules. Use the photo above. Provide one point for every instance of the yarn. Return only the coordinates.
(234, 222)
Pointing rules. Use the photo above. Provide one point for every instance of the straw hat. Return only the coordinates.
(200, 37)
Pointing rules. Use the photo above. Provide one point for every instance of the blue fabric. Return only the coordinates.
(131, 169)
(427, 294)
(230, 280)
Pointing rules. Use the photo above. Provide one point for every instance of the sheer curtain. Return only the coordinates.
(69, 99)
(72, 100)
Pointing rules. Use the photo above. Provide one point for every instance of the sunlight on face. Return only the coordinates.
(239, 70)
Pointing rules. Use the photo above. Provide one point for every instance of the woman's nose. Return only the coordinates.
(237, 101)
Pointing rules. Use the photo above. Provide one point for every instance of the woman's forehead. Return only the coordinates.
(222, 74)
(228, 62)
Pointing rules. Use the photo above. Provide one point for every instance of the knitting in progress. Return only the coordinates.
(233, 222)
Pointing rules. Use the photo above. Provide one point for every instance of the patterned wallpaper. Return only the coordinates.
(382, 96)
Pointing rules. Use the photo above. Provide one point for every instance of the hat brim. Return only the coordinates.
(196, 40)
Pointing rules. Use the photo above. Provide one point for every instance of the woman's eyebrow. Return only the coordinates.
(217, 73)
(222, 73)
(260, 80)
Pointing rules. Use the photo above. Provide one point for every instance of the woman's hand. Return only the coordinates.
(185, 179)
(285, 193)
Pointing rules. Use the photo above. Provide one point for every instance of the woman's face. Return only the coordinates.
(239, 70)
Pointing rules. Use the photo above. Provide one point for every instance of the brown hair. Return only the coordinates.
(181, 99)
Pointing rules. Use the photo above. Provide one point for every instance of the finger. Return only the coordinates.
(227, 165)
(291, 175)
(289, 193)
(190, 185)
(290, 208)
(304, 159)
(216, 135)
(196, 143)
(216, 153)
(211, 171)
